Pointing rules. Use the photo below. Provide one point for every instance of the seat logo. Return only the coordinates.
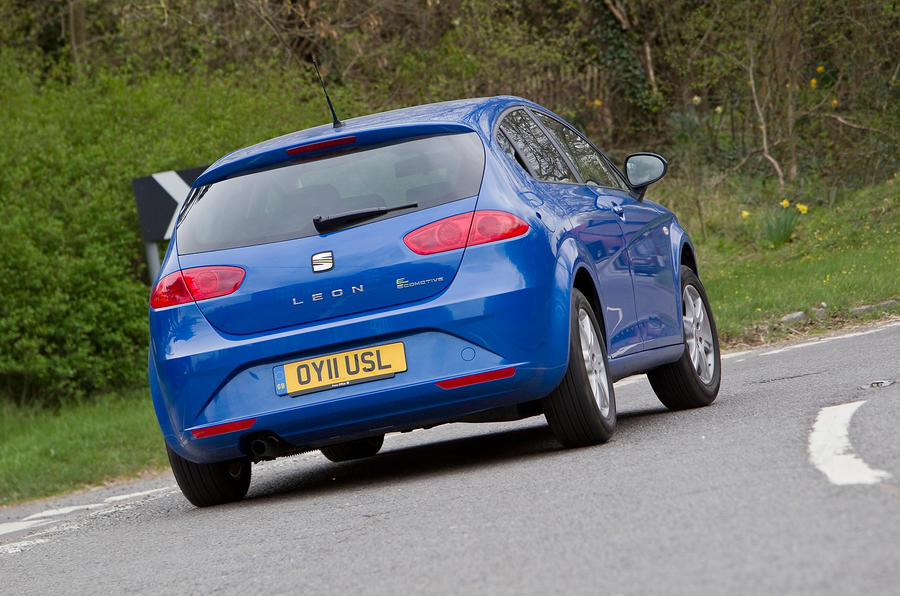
(323, 261)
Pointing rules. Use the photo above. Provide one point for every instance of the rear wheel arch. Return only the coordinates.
(584, 283)
(582, 409)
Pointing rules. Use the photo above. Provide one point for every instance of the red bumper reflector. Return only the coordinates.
(492, 375)
(221, 429)
(321, 145)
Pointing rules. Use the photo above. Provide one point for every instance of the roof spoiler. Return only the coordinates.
(300, 146)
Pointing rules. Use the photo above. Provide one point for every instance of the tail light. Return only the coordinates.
(196, 283)
(466, 229)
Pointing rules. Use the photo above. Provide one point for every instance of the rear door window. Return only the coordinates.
(280, 203)
(592, 166)
(536, 148)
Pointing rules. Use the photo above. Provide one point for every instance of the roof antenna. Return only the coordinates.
(337, 123)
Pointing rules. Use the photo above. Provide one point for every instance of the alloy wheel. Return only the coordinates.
(592, 354)
(698, 334)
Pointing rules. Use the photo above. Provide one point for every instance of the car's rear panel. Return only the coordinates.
(469, 328)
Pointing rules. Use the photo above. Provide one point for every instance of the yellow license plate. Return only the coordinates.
(339, 370)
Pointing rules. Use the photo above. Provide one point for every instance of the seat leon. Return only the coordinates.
(473, 260)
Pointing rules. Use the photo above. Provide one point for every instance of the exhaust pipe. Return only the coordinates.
(266, 447)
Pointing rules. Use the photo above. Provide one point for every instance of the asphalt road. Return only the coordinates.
(727, 499)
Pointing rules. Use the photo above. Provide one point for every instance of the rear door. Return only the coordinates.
(594, 225)
(647, 226)
(263, 222)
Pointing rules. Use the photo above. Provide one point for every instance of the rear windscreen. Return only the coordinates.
(280, 203)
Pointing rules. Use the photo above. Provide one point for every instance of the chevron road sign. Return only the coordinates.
(159, 197)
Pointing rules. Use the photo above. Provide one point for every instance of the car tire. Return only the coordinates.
(693, 380)
(205, 485)
(582, 409)
(357, 449)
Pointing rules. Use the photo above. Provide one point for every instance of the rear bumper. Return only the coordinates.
(493, 316)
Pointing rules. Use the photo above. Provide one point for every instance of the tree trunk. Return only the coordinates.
(76, 31)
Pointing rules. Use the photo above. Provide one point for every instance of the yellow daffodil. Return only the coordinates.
(785, 203)
(834, 103)
(696, 100)
(820, 69)
(745, 214)
(597, 103)
(813, 83)
(718, 110)
(802, 208)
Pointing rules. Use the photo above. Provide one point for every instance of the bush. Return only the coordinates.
(72, 273)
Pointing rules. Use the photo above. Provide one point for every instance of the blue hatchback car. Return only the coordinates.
(474, 260)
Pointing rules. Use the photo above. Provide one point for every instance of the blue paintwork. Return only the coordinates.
(212, 362)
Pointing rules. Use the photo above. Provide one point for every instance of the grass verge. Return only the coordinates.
(843, 255)
(44, 452)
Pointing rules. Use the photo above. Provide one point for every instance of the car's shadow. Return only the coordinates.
(320, 477)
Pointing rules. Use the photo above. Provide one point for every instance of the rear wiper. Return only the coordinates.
(327, 223)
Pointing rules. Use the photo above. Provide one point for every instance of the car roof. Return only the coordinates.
(463, 115)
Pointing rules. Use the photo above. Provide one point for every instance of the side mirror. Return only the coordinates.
(643, 169)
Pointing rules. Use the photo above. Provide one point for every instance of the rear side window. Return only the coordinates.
(592, 166)
(280, 204)
(536, 148)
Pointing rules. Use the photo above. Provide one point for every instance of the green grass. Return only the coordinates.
(844, 255)
(44, 452)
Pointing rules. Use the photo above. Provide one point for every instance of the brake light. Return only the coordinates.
(490, 226)
(210, 282)
(329, 144)
(466, 229)
(169, 291)
(196, 283)
(441, 235)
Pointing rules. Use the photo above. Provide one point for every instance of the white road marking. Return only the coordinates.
(736, 354)
(36, 520)
(56, 528)
(13, 527)
(830, 450)
(17, 547)
(62, 511)
(129, 496)
(825, 340)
